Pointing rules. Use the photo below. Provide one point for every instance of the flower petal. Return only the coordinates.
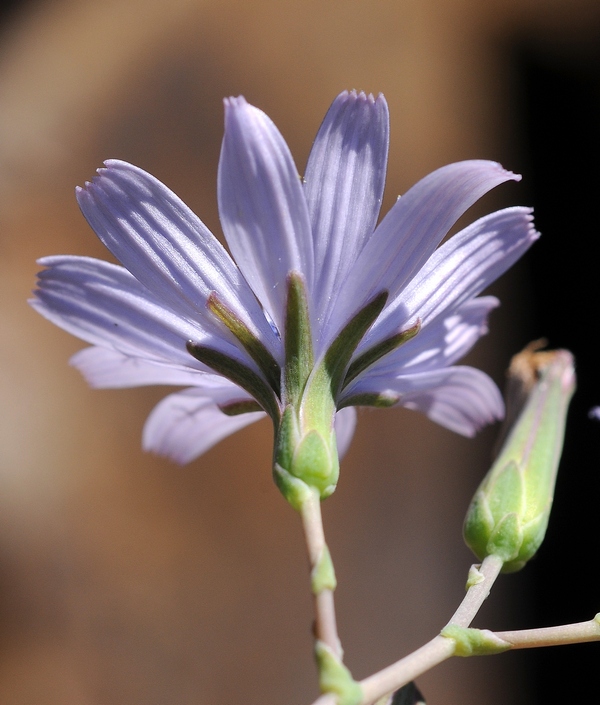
(344, 182)
(413, 228)
(443, 342)
(262, 206)
(186, 424)
(168, 248)
(460, 269)
(462, 399)
(105, 305)
(105, 368)
(344, 424)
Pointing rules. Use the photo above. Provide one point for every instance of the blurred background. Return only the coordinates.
(125, 580)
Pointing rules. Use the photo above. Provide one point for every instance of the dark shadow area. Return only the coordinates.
(559, 92)
(8, 8)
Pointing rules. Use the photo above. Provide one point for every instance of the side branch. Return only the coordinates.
(553, 636)
(433, 652)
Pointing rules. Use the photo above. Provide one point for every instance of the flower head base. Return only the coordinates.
(322, 309)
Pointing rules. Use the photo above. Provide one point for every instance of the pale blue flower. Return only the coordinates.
(318, 234)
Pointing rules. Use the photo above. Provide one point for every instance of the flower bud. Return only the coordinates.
(509, 513)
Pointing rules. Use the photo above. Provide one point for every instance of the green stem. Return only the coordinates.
(479, 585)
(323, 580)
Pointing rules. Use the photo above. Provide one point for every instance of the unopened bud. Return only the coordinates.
(509, 513)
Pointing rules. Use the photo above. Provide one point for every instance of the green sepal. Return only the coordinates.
(309, 457)
(376, 352)
(533, 532)
(236, 408)
(474, 642)
(341, 350)
(322, 576)
(383, 400)
(298, 340)
(335, 678)
(506, 538)
(506, 492)
(292, 488)
(478, 526)
(316, 462)
(326, 379)
(253, 346)
(305, 444)
(287, 437)
(237, 372)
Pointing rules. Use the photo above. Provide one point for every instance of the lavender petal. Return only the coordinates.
(262, 206)
(186, 424)
(344, 182)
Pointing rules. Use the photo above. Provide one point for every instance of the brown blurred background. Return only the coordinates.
(125, 580)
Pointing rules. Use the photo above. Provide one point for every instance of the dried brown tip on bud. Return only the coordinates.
(522, 374)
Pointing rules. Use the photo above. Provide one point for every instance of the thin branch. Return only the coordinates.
(435, 651)
(478, 592)
(407, 669)
(439, 648)
(553, 636)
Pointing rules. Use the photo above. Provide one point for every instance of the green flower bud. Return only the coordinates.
(509, 513)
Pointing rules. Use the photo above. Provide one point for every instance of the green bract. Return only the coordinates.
(335, 678)
(474, 642)
(303, 397)
(509, 513)
(305, 444)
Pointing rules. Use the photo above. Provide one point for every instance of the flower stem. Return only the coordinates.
(433, 652)
(479, 585)
(553, 636)
(439, 648)
(323, 579)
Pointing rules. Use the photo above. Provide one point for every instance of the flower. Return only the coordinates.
(317, 310)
